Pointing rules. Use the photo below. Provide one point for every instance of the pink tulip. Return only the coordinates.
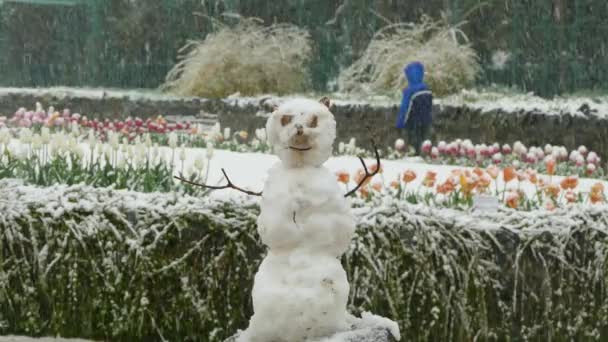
(506, 149)
(66, 113)
(471, 153)
(593, 158)
(582, 150)
(434, 153)
(25, 123)
(497, 158)
(442, 147)
(20, 112)
(591, 168)
(427, 147)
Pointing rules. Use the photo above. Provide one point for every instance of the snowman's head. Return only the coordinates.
(302, 132)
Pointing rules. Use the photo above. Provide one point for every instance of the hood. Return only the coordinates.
(414, 73)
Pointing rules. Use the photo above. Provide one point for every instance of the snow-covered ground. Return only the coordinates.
(483, 100)
(249, 170)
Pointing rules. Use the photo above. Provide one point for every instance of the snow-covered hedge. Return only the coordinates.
(117, 265)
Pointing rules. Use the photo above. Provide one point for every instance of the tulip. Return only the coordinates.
(434, 153)
(400, 145)
(508, 174)
(426, 147)
(583, 150)
(512, 199)
(409, 176)
(343, 177)
(497, 158)
(442, 147)
(569, 182)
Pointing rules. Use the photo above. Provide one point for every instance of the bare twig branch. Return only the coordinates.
(230, 185)
(368, 175)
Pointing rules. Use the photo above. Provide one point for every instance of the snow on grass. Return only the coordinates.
(483, 100)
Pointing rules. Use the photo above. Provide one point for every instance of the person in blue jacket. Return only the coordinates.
(416, 107)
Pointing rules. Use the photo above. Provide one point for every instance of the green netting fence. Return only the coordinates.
(546, 46)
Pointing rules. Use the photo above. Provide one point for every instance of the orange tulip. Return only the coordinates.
(550, 205)
(429, 179)
(552, 190)
(409, 176)
(570, 196)
(493, 171)
(597, 187)
(447, 187)
(508, 174)
(550, 166)
(569, 182)
(395, 184)
(513, 199)
(597, 193)
(374, 167)
(359, 176)
(479, 172)
(364, 191)
(343, 177)
(484, 182)
(377, 186)
(532, 176)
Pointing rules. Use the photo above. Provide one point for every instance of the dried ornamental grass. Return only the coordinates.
(450, 65)
(248, 59)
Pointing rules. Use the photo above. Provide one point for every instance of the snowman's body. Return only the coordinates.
(301, 291)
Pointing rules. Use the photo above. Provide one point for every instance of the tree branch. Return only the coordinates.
(230, 185)
(367, 173)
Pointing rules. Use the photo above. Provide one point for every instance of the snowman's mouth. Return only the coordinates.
(301, 149)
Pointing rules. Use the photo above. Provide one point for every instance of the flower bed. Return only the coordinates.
(115, 265)
(517, 189)
(47, 158)
(460, 152)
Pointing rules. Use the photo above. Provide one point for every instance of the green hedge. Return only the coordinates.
(117, 265)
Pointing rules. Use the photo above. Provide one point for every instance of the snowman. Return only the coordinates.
(300, 291)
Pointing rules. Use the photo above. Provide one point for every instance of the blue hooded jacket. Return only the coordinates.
(422, 114)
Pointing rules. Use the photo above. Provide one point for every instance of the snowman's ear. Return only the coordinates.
(326, 101)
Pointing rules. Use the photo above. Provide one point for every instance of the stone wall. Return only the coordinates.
(450, 122)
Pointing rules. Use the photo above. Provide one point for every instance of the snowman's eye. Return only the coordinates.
(314, 121)
(286, 119)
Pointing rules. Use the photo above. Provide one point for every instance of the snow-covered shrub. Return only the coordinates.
(117, 265)
(247, 58)
(451, 63)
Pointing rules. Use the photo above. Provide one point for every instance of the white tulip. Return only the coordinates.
(182, 153)
(25, 136)
(199, 164)
(45, 135)
(148, 140)
(209, 151)
(227, 133)
(172, 140)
